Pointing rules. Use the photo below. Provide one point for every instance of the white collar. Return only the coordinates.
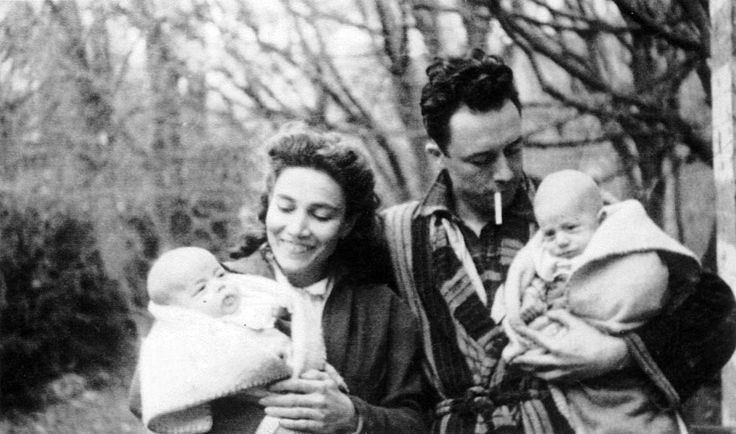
(320, 288)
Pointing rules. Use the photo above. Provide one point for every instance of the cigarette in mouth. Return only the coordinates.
(497, 207)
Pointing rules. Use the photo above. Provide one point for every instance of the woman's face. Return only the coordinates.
(304, 221)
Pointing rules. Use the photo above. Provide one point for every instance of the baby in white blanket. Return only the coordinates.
(214, 336)
(192, 278)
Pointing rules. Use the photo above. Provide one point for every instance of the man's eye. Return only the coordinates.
(482, 162)
(512, 151)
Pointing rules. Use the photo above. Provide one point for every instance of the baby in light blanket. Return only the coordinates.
(213, 337)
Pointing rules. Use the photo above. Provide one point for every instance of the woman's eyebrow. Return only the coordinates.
(327, 206)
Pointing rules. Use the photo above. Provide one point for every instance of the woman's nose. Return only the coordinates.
(298, 225)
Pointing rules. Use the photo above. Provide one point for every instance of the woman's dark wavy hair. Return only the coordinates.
(481, 82)
(300, 146)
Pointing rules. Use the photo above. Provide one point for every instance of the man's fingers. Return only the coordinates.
(540, 322)
(538, 338)
(551, 375)
(534, 359)
(565, 318)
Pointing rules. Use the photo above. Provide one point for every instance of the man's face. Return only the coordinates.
(484, 156)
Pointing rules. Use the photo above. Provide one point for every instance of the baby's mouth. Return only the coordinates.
(230, 303)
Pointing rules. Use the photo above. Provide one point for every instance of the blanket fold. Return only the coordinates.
(189, 359)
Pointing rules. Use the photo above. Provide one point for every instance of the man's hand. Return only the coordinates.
(581, 351)
(311, 403)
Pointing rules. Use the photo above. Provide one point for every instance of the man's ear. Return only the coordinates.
(434, 150)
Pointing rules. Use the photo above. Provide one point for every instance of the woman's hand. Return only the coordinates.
(579, 352)
(312, 402)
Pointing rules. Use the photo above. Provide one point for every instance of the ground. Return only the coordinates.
(88, 410)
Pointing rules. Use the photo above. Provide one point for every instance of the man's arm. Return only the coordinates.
(679, 350)
(690, 344)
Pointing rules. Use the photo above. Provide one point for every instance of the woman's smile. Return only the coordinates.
(304, 222)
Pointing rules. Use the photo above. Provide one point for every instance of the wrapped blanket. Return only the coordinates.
(189, 359)
(619, 281)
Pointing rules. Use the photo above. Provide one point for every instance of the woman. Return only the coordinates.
(319, 215)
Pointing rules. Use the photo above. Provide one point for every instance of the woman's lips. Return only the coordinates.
(296, 247)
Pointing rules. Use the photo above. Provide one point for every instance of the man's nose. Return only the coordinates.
(502, 170)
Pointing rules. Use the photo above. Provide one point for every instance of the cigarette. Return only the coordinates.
(497, 207)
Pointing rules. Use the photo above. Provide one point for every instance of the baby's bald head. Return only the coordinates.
(569, 189)
(568, 208)
(175, 269)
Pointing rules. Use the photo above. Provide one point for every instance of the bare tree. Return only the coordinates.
(625, 61)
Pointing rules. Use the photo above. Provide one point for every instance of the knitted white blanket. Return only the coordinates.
(189, 359)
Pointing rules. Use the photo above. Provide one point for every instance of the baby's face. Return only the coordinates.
(201, 286)
(566, 228)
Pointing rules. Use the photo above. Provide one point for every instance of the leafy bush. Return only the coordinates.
(59, 313)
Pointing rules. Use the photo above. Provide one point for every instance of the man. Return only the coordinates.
(451, 251)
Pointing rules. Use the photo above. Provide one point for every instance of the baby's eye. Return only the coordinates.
(570, 227)
(548, 234)
(199, 288)
(220, 273)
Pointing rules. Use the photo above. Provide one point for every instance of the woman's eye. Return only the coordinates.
(322, 216)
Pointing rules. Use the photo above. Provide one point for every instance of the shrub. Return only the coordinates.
(59, 313)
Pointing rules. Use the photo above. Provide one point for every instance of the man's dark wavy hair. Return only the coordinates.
(480, 81)
(300, 146)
